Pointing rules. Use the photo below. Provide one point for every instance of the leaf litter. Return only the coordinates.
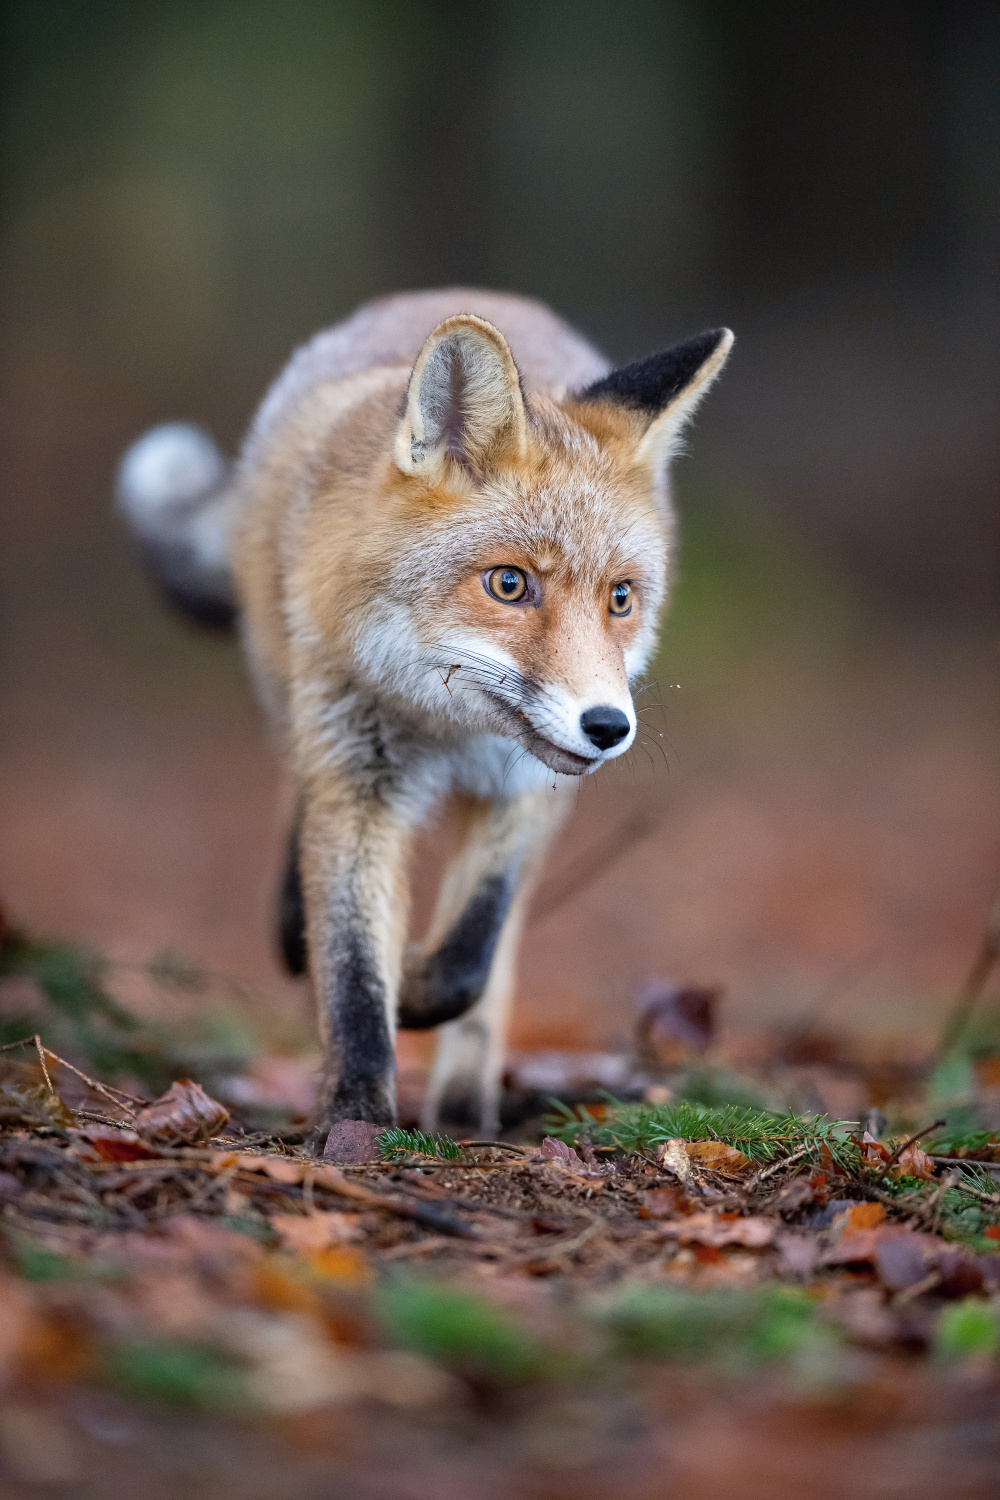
(616, 1267)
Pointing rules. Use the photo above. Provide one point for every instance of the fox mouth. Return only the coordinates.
(520, 727)
(556, 757)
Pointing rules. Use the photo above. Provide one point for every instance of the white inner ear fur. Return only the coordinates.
(464, 400)
(662, 438)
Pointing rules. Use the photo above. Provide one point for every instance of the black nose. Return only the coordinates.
(604, 726)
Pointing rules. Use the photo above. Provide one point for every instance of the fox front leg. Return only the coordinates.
(463, 972)
(353, 856)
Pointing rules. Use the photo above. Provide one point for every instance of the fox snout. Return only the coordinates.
(576, 739)
(605, 726)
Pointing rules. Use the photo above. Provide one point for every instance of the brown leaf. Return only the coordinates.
(556, 1150)
(108, 1144)
(315, 1231)
(182, 1115)
(710, 1229)
(663, 1203)
(914, 1162)
(797, 1254)
(32, 1104)
(717, 1156)
(865, 1216)
(675, 1020)
(861, 1244)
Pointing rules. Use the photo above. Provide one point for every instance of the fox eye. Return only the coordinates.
(621, 599)
(508, 584)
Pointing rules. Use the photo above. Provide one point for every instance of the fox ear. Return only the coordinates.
(464, 403)
(664, 390)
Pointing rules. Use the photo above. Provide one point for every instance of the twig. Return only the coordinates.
(41, 1058)
(963, 1187)
(99, 1088)
(776, 1166)
(905, 1145)
(910, 1293)
(982, 968)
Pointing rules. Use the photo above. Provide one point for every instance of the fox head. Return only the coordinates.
(530, 541)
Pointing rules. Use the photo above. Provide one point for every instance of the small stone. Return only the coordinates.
(351, 1143)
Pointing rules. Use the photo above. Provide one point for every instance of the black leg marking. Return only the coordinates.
(448, 982)
(360, 1085)
(292, 912)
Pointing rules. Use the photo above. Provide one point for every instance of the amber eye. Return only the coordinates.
(508, 584)
(621, 599)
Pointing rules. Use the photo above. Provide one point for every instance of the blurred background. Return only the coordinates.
(192, 187)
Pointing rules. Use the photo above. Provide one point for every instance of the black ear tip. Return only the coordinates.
(651, 384)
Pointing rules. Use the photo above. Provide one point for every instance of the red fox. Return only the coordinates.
(447, 543)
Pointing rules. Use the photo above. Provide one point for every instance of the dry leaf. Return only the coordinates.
(315, 1231)
(108, 1144)
(914, 1162)
(673, 1155)
(864, 1216)
(663, 1203)
(32, 1104)
(183, 1115)
(555, 1150)
(675, 1020)
(797, 1254)
(717, 1156)
(715, 1230)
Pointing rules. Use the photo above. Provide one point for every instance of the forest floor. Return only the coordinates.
(708, 1289)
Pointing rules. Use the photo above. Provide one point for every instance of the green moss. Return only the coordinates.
(772, 1324)
(967, 1327)
(459, 1330)
(177, 1373)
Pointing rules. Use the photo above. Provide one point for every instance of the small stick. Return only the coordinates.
(41, 1058)
(100, 1088)
(904, 1145)
(785, 1161)
(963, 1187)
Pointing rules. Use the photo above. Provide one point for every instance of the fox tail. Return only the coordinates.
(174, 492)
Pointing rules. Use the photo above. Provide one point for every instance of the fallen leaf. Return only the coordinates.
(663, 1203)
(913, 1162)
(283, 1169)
(107, 1143)
(556, 1150)
(675, 1020)
(340, 1262)
(673, 1155)
(315, 1231)
(184, 1114)
(710, 1229)
(797, 1254)
(32, 1104)
(865, 1216)
(904, 1260)
(861, 1244)
(717, 1156)
(871, 1149)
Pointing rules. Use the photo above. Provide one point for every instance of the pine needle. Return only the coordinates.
(762, 1135)
(398, 1142)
